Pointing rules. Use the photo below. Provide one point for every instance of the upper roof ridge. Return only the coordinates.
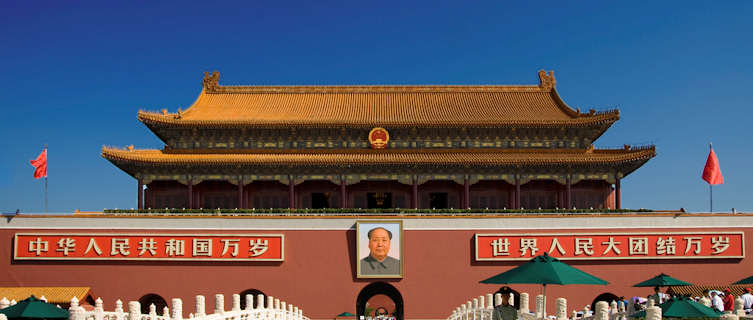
(210, 84)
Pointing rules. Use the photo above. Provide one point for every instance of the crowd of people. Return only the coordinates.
(718, 300)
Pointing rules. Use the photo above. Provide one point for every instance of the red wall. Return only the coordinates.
(318, 273)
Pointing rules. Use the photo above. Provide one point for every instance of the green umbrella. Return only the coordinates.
(346, 314)
(682, 307)
(748, 280)
(33, 308)
(662, 280)
(544, 269)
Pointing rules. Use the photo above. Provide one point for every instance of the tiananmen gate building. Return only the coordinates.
(282, 191)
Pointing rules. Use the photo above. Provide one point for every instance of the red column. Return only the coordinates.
(617, 200)
(414, 196)
(240, 193)
(291, 193)
(517, 192)
(343, 193)
(568, 194)
(190, 194)
(466, 193)
(141, 194)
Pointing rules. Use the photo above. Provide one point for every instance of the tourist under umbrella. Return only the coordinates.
(33, 308)
(682, 307)
(544, 270)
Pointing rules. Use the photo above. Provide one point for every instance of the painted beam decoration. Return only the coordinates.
(113, 246)
(611, 246)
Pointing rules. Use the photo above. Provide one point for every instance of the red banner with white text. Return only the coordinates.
(610, 246)
(223, 247)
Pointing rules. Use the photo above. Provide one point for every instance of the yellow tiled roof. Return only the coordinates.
(386, 156)
(370, 106)
(53, 294)
(697, 290)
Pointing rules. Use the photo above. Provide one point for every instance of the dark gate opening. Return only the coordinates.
(438, 200)
(319, 200)
(379, 288)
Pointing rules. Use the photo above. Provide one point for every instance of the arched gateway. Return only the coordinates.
(377, 288)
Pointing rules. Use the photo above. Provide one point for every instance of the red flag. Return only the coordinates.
(711, 172)
(40, 163)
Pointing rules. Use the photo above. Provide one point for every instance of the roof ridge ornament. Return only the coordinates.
(546, 80)
(211, 81)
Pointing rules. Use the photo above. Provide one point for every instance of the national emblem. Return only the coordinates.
(378, 138)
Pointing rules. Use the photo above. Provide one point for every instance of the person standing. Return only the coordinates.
(505, 311)
(716, 302)
(657, 296)
(729, 300)
(747, 300)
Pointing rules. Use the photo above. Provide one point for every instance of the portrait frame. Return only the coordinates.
(363, 251)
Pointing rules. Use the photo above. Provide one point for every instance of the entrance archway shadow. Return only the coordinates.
(606, 296)
(376, 288)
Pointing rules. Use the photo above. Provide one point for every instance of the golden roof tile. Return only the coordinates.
(52, 294)
(390, 106)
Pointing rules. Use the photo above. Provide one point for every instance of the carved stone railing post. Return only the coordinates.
(729, 316)
(602, 310)
(99, 309)
(200, 308)
(539, 306)
(587, 311)
(739, 311)
(236, 302)
(277, 304)
(283, 309)
(166, 312)
(219, 304)
(73, 310)
(523, 303)
(464, 311)
(260, 301)
(497, 299)
(511, 299)
(249, 302)
(653, 313)
(134, 310)
(474, 306)
(489, 301)
(270, 302)
(152, 311)
(560, 308)
(613, 307)
(575, 315)
(177, 305)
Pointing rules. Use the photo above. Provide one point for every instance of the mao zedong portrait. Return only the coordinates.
(378, 262)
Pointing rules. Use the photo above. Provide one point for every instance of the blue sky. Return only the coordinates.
(74, 74)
